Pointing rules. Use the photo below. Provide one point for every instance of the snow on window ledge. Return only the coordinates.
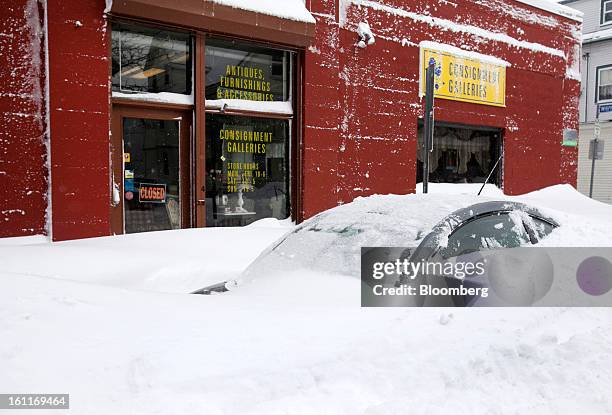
(159, 97)
(275, 107)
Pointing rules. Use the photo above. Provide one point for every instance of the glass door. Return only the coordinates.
(151, 174)
(151, 185)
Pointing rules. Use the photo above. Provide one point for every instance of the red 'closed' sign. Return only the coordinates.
(152, 193)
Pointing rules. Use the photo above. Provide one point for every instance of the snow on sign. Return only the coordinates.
(464, 76)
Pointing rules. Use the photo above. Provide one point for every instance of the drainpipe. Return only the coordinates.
(587, 56)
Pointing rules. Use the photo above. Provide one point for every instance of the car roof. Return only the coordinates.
(332, 240)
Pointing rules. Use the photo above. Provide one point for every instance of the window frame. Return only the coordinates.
(196, 104)
(603, 12)
(598, 71)
(293, 97)
(293, 63)
(190, 76)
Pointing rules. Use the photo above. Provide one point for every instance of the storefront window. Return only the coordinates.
(460, 155)
(236, 70)
(247, 146)
(247, 169)
(150, 60)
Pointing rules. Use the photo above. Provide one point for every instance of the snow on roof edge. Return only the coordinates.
(555, 8)
(596, 36)
(465, 53)
(287, 9)
(291, 9)
(457, 27)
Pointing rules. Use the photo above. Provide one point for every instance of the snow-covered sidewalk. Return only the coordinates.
(132, 352)
(170, 261)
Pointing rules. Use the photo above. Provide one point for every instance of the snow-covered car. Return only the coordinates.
(331, 242)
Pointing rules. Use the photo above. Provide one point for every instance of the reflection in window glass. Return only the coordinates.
(247, 169)
(150, 60)
(486, 232)
(235, 70)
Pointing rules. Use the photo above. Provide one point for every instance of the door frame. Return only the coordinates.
(184, 116)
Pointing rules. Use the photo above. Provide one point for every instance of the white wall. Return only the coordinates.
(602, 185)
(600, 54)
(591, 10)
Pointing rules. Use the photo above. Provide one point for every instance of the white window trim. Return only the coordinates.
(599, 70)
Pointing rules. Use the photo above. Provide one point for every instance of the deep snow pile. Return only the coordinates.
(170, 261)
(585, 222)
(132, 352)
(296, 343)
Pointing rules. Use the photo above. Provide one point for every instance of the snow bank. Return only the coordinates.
(584, 221)
(119, 351)
(170, 261)
(294, 342)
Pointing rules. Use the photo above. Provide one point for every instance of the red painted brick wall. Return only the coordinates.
(79, 118)
(362, 105)
(23, 171)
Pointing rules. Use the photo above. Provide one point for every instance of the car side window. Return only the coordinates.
(497, 230)
(542, 227)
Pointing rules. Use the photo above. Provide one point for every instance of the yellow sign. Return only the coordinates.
(243, 82)
(465, 78)
(126, 157)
